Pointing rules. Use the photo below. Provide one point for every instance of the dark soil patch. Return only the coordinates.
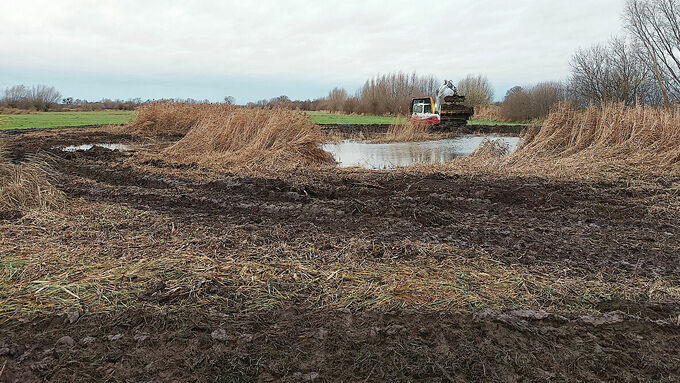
(596, 230)
(299, 344)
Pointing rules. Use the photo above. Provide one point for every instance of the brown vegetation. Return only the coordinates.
(610, 135)
(15, 111)
(173, 118)
(195, 274)
(25, 186)
(490, 149)
(408, 132)
(38, 97)
(488, 112)
(527, 104)
(275, 137)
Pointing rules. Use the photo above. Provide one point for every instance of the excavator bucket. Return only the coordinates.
(454, 113)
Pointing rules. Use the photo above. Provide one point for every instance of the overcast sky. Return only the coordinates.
(261, 49)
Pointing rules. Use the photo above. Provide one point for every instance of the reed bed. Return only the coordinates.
(488, 112)
(173, 118)
(26, 186)
(611, 135)
(491, 149)
(273, 138)
(409, 132)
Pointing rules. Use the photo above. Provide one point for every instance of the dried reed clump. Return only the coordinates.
(26, 186)
(408, 132)
(488, 112)
(270, 138)
(491, 149)
(611, 134)
(172, 118)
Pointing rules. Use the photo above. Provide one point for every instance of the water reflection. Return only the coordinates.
(86, 147)
(390, 156)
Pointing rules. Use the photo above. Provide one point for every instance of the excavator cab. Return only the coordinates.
(423, 110)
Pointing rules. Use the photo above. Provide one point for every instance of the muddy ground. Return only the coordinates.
(445, 276)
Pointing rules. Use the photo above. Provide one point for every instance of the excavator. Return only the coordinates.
(442, 113)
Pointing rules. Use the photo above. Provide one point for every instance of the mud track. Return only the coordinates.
(597, 230)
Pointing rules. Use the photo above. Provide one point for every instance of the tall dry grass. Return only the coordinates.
(409, 131)
(172, 118)
(614, 134)
(26, 186)
(488, 112)
(267, 138)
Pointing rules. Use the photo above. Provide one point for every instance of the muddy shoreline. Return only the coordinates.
(340, 275)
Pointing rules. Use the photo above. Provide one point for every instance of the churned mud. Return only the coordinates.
(333, 274)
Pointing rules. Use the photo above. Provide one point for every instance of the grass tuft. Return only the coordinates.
(26, 186)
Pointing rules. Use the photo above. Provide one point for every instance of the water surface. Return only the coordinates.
(86, 147)
(393, 155)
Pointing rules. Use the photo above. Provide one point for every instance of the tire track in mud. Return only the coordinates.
(527, 221)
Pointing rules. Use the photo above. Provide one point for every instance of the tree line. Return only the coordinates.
(640, 67)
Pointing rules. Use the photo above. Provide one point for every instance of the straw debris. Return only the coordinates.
(26, 186)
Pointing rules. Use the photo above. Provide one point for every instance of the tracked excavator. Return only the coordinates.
(442, 113)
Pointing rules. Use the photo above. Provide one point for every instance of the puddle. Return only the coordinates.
(390, 156)
(86, 147)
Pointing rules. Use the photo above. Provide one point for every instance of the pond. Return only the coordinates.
(398, 154)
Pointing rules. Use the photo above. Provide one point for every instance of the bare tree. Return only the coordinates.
(336, 99)
(516, 105)
(612, 72)
(17, 96)
(544, 96)
(40, 97)
(229, 100)
(476, 89)
(44, 97)
(392, 93)
(526, 104)
(655, 24)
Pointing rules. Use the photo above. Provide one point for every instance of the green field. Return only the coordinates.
(331, 118)
(56, 119)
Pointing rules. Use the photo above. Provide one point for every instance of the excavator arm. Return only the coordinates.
(440, 93)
